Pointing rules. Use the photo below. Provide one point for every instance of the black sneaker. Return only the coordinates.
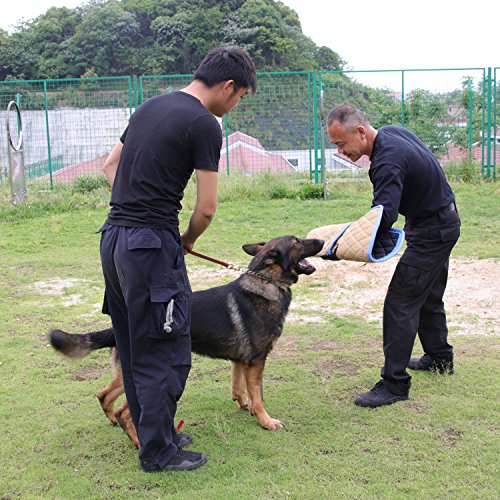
(426, 363)
(183, 460)
(182, 440)
(379, 395)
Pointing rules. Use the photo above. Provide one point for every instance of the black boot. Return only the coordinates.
(426, 363)
(380, 395)
(182, 439)
(183, 460)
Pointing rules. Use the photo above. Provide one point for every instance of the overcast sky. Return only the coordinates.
(369, 35)
(399, 34)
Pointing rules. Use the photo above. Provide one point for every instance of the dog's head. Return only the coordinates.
(283, 258)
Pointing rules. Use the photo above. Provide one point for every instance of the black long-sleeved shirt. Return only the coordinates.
(406, 177)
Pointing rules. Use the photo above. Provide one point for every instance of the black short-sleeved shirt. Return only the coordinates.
(406, 176)
(168, 137)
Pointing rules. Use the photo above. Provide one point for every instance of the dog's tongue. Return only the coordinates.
(306, 267)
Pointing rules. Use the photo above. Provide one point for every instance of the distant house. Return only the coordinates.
(456, 116)
(337, 162)
(246, 154)
(455, 151)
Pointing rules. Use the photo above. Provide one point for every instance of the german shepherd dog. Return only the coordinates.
(240, 321)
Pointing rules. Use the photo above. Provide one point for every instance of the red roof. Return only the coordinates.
(246, 154)
(71, 172)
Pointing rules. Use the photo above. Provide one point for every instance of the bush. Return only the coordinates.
(311, 191)
(87, 184)
(462, 170)
(280, 192)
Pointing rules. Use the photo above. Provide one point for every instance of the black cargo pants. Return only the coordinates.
(414, 301)
(148, 297)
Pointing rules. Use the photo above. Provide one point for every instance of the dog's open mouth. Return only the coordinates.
(305, 267)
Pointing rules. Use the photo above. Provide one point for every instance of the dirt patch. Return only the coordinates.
(347, 288)
(354, 289)
(90, 373)
(452, 437)
(326, 368)
(58, 287)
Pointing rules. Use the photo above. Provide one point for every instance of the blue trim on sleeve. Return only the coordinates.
(399, 233)
(397, 246)
(330, 246)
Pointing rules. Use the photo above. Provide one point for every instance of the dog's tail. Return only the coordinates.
(79, 345)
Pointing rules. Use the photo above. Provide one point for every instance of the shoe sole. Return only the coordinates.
(192, 466)
(362, 405)
(432, 370)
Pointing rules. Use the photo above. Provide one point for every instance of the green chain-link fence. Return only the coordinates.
(70, 125)
(456, 124)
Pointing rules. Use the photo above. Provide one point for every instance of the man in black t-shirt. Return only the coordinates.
(407, 179)
(148, 295)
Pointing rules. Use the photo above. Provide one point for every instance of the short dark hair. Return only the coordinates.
(348, 115)
(227, 63)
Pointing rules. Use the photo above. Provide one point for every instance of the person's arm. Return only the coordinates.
(111, 164)
(206, 204)
(387, 180)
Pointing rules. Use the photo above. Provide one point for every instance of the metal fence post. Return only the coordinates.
(309, 128)
(403, 98)
(495, 123)
(489, 126)
(49, 157)
(483, 122)
(471, 104)
(315, 126)
(136, 93)
(16, 158)
(226, 128)
(323, 159)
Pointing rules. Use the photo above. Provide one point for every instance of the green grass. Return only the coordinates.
(57, 443)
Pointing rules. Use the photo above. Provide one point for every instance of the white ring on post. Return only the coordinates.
(20, 140)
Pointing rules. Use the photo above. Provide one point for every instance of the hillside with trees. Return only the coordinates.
(152, 37)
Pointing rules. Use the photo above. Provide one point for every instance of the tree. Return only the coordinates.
(124, 37)
(105, 39)
(425, 116)
(18, 57)
(327, 59)
(471, 100)
(273, 46)
(50, 34)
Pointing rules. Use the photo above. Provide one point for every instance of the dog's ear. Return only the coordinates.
(253, 248)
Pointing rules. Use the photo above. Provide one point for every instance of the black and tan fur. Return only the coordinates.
(240, 321)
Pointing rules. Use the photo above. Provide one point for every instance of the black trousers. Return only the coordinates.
(148, 297)
(414, 301)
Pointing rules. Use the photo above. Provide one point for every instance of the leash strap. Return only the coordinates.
(211, 259)
(237, 268)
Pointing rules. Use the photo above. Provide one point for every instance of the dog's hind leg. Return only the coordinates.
(124, 418)
(238, 385)
(253, 377)
(114, 390)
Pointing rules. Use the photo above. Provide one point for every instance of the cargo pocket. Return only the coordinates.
(170, 310)
(450, 233)
(409, 280)
(142, 238)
